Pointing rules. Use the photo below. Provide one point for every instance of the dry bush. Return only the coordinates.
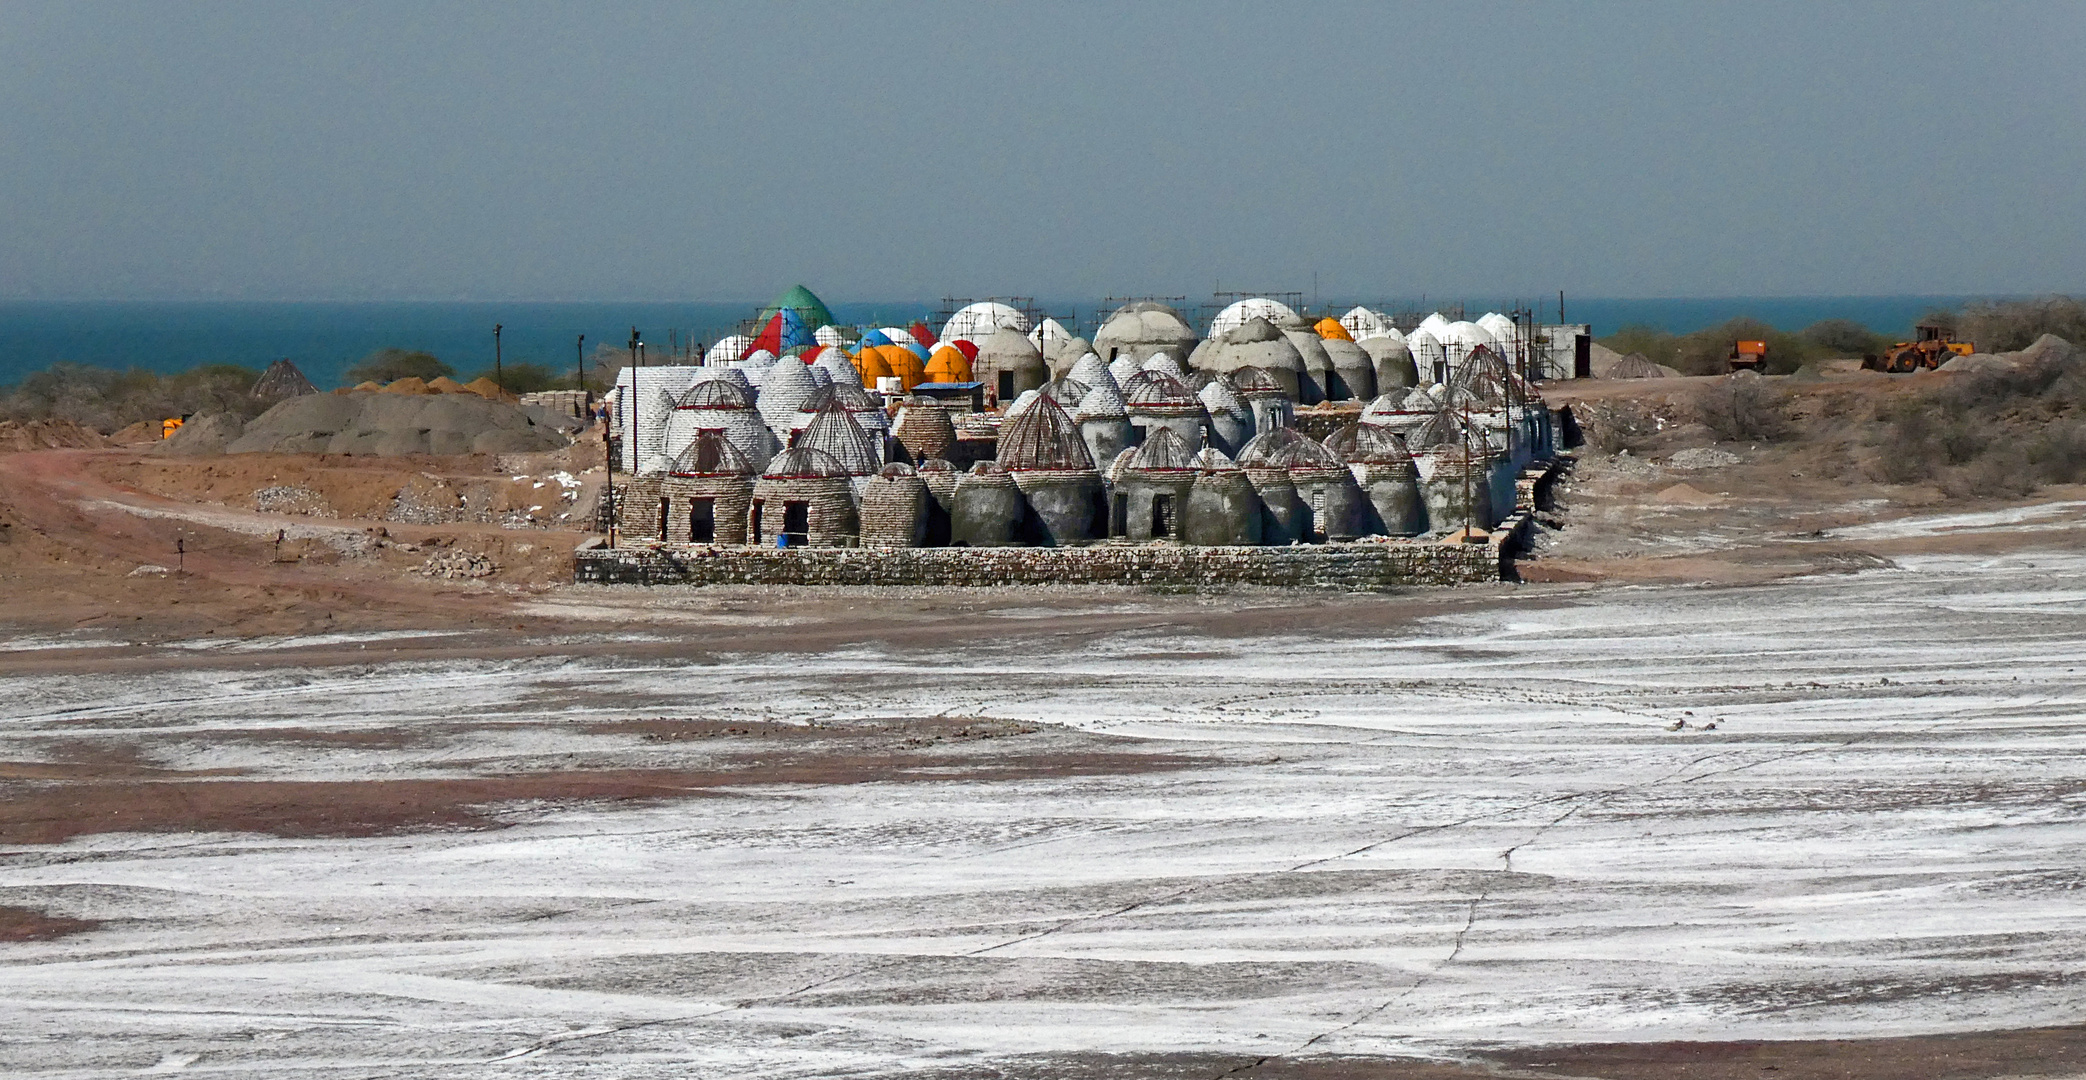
(1994, 433)
(1744, 408)
(1612, 426)
(2012, 325)
(106, 400)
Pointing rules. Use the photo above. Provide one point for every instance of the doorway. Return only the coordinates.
(702, 521)
(796, 522)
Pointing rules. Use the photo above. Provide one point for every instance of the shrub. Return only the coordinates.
(525, 378)
(106, 400)
(389, 365)
(2010, 325)
(1742, 408)
(1843, 337)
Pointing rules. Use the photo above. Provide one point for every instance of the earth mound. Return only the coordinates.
(47, 435)
(392, 424)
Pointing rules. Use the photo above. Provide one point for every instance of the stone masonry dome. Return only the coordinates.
(803, 462)
(1044, 436)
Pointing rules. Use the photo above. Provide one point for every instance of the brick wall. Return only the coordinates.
(1358, 567)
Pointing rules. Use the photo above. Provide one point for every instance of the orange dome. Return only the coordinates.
(948, 365)
(1329, 329)
(872, 366)
(900, 362)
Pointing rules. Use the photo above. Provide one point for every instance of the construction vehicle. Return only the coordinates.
(1749, 356)
(170, 425)
(1937, 345)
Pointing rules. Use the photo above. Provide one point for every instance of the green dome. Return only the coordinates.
(805, 303)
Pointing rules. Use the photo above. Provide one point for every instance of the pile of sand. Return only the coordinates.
(47, 435)
(393, 423)
(205, 433)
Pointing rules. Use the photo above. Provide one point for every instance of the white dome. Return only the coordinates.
(1426, 351)
(1246, 311)
(1164, 364)
(731, 348)
(899, 335)
(1458, 339)
(829, 336)
(1363, 323)
(1499, 326)
(976, 322)
(1050, 331)
(1433, 324)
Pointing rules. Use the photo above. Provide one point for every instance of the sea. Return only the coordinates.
(325, 338)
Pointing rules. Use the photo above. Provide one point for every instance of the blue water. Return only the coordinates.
(325, 339)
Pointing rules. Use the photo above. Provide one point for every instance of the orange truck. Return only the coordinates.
(1748, 356)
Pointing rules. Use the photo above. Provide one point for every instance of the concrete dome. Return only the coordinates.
(1360, 322)
(1354, 371)
(1245, 311)
(1317, 382)
(1123, 367)
(1091, 370)
(1259, 344)
(783, 390)
(1008, 352)
(1103, 401)
(976, 322)
(1143, 328)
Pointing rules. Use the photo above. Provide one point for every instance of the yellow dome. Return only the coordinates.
(948, 364)
(872, 366)
(903, 364)
(1331, 330)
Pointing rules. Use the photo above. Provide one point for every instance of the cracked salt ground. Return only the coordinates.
(1476, 830)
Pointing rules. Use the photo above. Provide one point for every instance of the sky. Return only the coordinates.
(523, 151)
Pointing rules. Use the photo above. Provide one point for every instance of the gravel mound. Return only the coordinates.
(394, 424)
(205, 433)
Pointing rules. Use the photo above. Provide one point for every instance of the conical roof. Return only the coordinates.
(735, 376)
(1163, 451)
(924, 428)
(1123, 368)
(835, 433)
(1162, 362)
(1441, 430)
(1217, 396)
(1066, 391)
(1090, 369)
(1285, 448)
(783, 390)
(1252, 382)
(282, 380)
(1043, 437)
(1373, 444)
(803, 463)
(715, 394)
(1211, 459)
(711, 455)
(1102, 403)
(1150, 390)
(809, 309)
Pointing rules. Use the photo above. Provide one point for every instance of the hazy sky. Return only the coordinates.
(677, 150)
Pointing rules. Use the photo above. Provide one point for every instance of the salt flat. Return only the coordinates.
(1475, 829)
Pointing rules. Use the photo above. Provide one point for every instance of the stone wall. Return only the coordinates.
(1370, 566)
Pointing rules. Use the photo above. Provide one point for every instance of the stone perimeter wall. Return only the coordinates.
(1358, 567)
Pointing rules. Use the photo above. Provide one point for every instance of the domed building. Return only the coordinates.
(1383, 469)
(894, 508)
(976, 322)
(804, 499)
(1245, 311)
(1093, 371)
(923, 430)
(1104, 423)
(782, 393)
(1354, 371)
(1139, 329)
(1231, 422)
(1152, 491)
(987, 508)
(834, 433)
(1315, 379)
(705, 494)
(1321, 481)
(1222, 509)
(1392, 361)
(1008, 364)
(1257, 343)
(1044, 453)
(1157, 402)
(940, 477)
(722, 406)
(1264, 397)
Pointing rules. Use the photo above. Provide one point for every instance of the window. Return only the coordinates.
(702, 521)
(1119, 516)
(665, 511)
(753, 524)
(1006, 386)
(796, 522)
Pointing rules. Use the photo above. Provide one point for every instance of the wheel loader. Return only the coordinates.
(1937, 345)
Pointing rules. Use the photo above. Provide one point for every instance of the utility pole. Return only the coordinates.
(579, 364)
(498, 379)
(633, 347)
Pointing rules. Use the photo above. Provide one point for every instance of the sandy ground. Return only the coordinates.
(310, 813)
